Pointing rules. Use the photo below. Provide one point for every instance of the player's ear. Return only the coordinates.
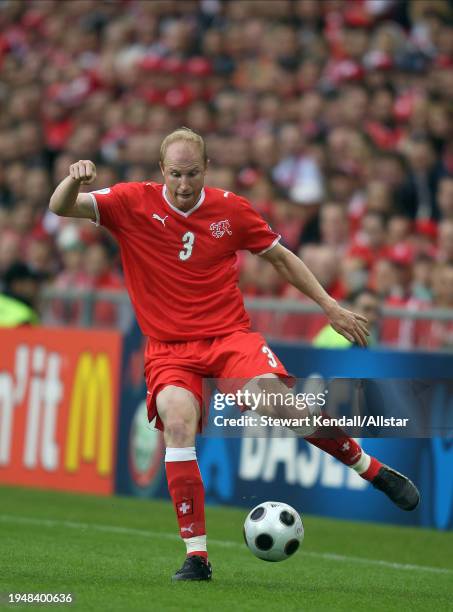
(161, 166)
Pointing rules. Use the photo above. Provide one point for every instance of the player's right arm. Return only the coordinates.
(66, 201)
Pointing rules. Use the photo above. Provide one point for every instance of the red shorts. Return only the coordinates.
(241, 355)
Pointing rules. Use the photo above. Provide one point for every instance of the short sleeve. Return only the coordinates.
(256, 234)
(110, 206)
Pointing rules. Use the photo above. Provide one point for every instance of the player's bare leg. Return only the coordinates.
(396, 486)
(180, 413)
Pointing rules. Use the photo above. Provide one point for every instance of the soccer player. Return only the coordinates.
(178, 243)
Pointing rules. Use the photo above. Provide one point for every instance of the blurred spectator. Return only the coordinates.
(445, 254)
(399, 229)
(18, 300)
(418, 194)
(384, 279)
(334, 227)
(439, 334)
(296, 170)
(101, 275)
(40, 255)
(287, 221)
(370, 243)
(353, 275)
(445, 197)
(421, 280)
(364, 302)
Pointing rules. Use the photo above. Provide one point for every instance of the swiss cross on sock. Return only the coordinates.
(185, 507)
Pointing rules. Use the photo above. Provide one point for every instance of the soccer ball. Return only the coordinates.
(273, 531)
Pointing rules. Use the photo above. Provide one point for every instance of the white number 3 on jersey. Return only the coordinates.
(270, 357)
(188, 241)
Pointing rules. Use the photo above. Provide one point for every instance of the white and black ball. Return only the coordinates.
(273, 531)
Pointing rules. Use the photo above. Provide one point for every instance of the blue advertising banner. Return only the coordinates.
(246, 471)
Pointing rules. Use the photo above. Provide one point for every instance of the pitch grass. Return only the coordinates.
(118, 554)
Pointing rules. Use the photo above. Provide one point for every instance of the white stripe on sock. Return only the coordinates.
(180, 454)
(195, 544)
(362, 464)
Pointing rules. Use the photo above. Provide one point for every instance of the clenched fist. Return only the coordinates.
(83, 171)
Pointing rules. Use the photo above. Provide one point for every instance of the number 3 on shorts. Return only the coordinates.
(188, 239)
(270, 357)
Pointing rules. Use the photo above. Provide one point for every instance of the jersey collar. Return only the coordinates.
(181, 212)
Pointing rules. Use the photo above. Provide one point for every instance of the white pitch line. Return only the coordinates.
(10, 518)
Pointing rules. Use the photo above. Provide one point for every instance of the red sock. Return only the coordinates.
(348, 451)
(187, 492)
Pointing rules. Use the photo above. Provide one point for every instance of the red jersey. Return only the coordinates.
(180, 267)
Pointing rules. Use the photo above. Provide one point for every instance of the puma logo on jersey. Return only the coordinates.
(220, 228)
(226, 194)
(155, 216)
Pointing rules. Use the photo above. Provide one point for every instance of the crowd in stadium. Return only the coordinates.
(334, 118)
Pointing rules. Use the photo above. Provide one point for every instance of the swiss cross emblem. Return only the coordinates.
(220, 228)
(185, 507)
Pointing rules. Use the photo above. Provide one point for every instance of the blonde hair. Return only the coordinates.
(183, 134)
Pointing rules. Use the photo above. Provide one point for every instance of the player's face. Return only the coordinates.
(184, 173)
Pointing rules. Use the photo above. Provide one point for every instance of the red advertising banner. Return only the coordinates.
(59, 408)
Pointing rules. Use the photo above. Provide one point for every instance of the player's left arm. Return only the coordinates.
(349, 324)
